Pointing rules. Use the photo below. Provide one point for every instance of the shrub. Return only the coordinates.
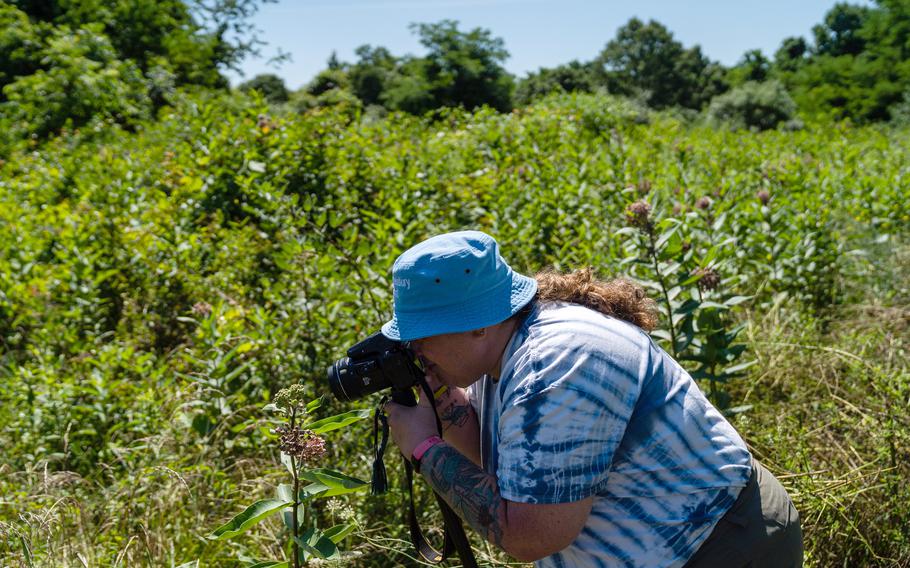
(270, 85)
(753, 105)
(83, 80)
(900, 112)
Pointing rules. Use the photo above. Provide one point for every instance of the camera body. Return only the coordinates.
(374, 364)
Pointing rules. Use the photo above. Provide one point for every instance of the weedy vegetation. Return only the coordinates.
(160, 286)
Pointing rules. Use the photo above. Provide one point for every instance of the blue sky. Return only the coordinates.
(537, 33)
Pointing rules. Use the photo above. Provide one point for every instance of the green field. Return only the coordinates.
(159, 285)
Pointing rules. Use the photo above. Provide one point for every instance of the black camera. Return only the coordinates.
(374, 364)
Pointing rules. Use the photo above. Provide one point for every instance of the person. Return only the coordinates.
(570, 438)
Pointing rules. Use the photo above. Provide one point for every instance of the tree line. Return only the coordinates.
(64, 64)
(855, 66)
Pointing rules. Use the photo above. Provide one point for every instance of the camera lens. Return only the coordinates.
(351, 379)
(336, 383)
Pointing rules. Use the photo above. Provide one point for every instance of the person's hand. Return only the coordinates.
(411, 425)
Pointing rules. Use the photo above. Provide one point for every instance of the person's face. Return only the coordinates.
(456, 359)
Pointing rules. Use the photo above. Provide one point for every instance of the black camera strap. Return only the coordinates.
(380, 483)
(455, 538)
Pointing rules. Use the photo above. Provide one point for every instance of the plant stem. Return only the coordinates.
(713, 385)
(652, 251)
(295, 548)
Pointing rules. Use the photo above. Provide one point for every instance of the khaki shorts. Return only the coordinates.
(760, 530)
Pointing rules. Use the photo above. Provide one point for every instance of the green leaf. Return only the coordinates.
(740, 367)
(736, 300)
(286, 492)
(670, 269)
(27, 553)
(317, 544)
(661, 334)
(738, 409)
(693, 278)
(286, 460)
(337, 482)
(672, 247)
(338, 421)
(719, 222)
(313, 490)
(709, 256)
(313, 404)
(625, 231)
(249, 517)
(287, 516)
(687, 307)
(190, 564)
(268, 564)
(339, 532)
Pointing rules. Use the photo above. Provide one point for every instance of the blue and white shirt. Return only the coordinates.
(588, 405)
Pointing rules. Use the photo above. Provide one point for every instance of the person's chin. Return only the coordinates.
(463, 383)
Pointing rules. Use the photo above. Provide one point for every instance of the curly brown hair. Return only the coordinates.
(620, 298)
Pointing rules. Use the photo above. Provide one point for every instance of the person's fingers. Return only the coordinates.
(392, 411)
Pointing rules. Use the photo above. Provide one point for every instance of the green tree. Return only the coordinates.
(703, 78)
(270, 85)
(65, 62)
(330, 87)
(571, 77)
(859, 65)
(371, 75)
(193, 39)
(753, 66)
(84, 81)
(410, 90)
(645, 59)
(790, 55)
(464, 68)
(333, 62)
(841, 33)
(327, 80)
(21, 45)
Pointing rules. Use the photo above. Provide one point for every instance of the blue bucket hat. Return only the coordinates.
(451, 283)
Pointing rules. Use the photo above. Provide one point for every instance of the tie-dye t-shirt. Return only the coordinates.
(587, 405)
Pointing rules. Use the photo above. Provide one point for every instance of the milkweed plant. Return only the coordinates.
(302, 449)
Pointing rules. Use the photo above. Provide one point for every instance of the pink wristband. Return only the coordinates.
(422, 447)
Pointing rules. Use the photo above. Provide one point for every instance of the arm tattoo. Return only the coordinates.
(455, 415)
(469, 490)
